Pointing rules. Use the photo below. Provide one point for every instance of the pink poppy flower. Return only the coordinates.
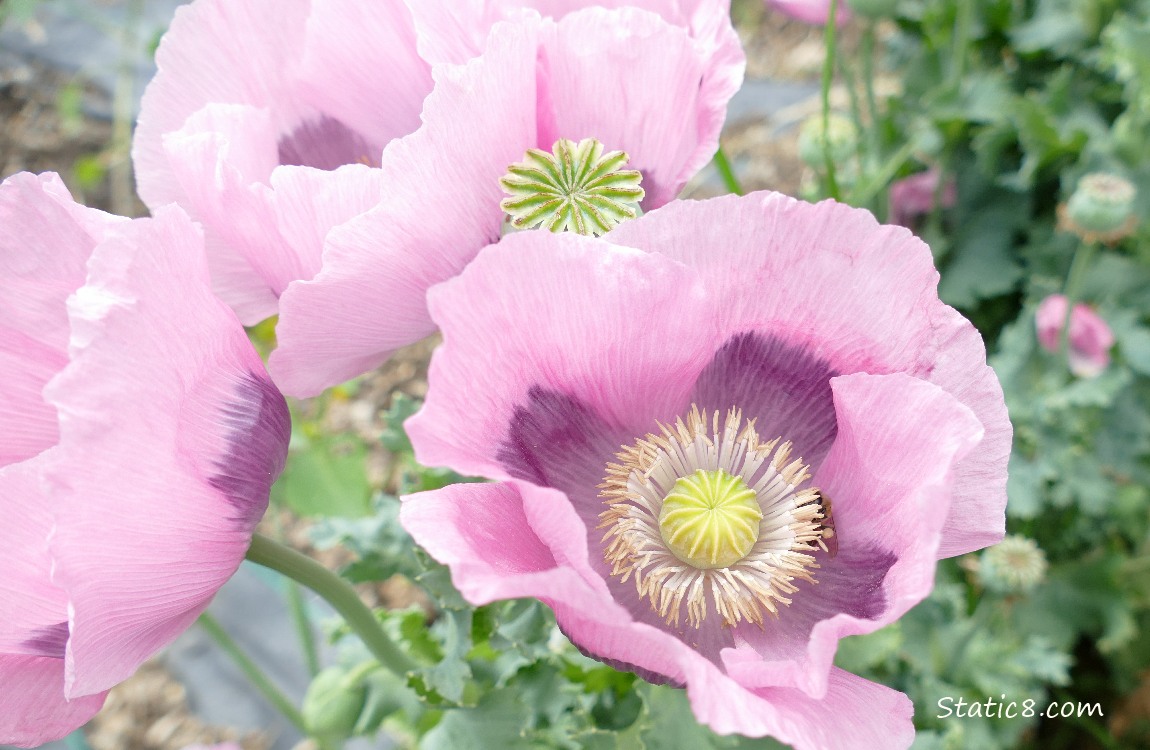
(139, 435)
(1090, 337)
(255, 99)
(814, 12)
(913, 196)
(702, 352)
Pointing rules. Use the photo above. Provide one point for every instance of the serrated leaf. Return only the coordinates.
(498, 721)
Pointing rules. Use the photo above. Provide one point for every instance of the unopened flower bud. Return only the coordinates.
(333, 703)
(1101, 209)
(1090, 337)
(839, 138)
(1013, 566)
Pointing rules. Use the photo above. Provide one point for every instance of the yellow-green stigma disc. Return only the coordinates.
(710, 519)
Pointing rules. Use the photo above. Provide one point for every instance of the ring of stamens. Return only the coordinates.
(788, 531)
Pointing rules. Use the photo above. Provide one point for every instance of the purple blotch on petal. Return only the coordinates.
(326, 143)
(851, 584)
(783, 387)
(49, 642)
(557, 441)
(259, 427)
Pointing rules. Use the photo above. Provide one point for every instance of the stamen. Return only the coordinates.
(662, 494)
(577, 187)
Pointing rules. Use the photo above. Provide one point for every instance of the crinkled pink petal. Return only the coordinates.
(33, 612)
(369, 299)
(170, 437)
(615, 76)
(1090, 337)
(595, 86)
(33, 709)
(890, 476)
(629, 363)
(831, 281)
(855, 714)
(443, 206)
(815, 12)
(221, 159)
(360, 66)
(322, 85)
(454, 30)
(270, 221)
(243, 52)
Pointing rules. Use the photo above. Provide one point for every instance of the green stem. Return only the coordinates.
(299, 615)
(337, 592)
(828, 76)
(252, 671)
(1073, 292)
(958, 52)
(882, 176)
(868, 85)
(303, 628)
(727, 172)
(979, 618)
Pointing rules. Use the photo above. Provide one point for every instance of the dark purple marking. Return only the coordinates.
(259, 427)
(557, 441)
(49, 642)
(326, 143)
(850, 584)
(782, 386)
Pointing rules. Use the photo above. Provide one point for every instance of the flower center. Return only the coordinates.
(577, 187)
(710, 519)
(706, 515)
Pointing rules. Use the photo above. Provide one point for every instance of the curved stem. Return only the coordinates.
(337, 592)
(727, 172)
(828, 77)
(252, 671)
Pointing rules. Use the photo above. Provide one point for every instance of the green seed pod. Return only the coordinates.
(1013, 566)
(1101, 208)
(333, 704)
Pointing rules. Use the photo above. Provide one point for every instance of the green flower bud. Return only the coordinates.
(1013, 566)
(333, 703)
(840, 137)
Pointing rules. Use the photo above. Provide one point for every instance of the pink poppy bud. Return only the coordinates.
(913, 197)
(1090, 337)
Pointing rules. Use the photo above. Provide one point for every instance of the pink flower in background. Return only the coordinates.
(719, 327)
(1090, 337)
(814, 12)
(261, 111)
(139, 436)
(913, 197)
